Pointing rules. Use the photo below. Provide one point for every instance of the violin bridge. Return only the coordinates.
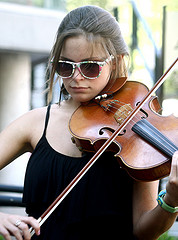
(122, 113)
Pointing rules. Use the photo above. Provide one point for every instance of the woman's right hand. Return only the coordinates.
(17, 226)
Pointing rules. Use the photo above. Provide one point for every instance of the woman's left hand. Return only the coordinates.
(171, 197)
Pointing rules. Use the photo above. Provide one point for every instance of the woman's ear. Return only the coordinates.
(119, 60)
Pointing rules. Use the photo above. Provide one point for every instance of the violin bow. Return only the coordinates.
(95, 157)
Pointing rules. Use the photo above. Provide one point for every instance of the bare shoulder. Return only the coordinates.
(23, 134)
(16, 138)
(24, 128)
(33, 121)
(59, 116)
(30, 120)
(32, 124)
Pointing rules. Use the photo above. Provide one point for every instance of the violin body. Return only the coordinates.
(92, 124)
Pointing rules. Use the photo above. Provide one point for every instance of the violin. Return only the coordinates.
(125, 120)
(144, 147)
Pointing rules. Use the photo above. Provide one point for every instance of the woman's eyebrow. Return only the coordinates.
(83, 60)
(65, 59)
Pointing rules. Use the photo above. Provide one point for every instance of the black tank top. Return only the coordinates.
(99, 206)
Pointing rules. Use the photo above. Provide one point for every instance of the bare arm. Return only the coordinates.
(18, 138)
(13, 142)
(150, 220)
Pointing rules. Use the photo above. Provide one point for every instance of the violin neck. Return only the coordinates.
(151, 134)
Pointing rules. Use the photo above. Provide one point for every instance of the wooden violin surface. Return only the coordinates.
(92, 124)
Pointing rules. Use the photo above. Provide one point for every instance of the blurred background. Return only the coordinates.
(27, 33)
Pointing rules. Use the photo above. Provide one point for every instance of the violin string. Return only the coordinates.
(123, 113)
(121, 104)
(159, 136)
(146, 126)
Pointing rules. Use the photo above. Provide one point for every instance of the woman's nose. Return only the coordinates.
(77, 74)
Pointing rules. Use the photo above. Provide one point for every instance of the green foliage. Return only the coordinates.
(1, 237)
(166, 236)
(171, 86)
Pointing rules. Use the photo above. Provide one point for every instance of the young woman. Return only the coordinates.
(107, 203)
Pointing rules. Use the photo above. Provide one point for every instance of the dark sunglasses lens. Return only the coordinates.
(90, 70)
(64, 69)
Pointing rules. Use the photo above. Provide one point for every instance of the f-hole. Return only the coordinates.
(143, 111)
(102, 130)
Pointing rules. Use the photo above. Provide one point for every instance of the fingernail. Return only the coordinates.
(38, 232)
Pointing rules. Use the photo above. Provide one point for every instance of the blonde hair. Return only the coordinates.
(98, 26)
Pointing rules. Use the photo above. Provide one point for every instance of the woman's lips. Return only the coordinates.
(79, 89)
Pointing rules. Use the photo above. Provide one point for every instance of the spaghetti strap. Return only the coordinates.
(47, 119)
